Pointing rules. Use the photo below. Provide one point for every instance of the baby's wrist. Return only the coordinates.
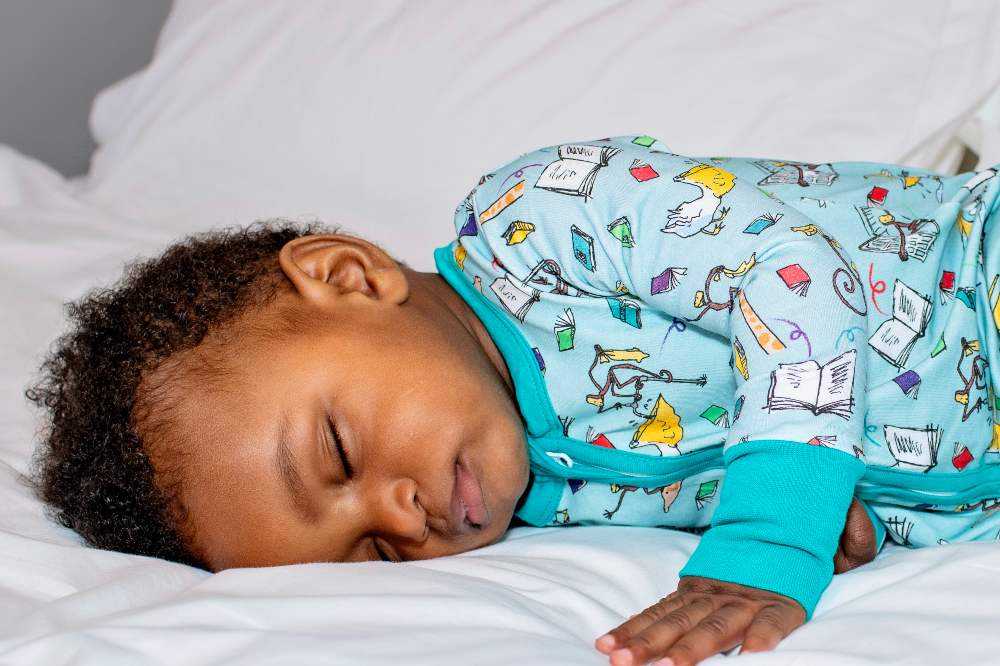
(781, 512)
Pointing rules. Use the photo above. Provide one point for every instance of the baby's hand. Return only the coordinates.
(857, 541)
(703, 617)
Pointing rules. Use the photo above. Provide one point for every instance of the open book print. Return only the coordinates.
(576, 169)
(900, 528)
(565, 330)
(822, 389)
(515, 296)
(796, 173)
(913, 448)
(917, 243)
(894, 338)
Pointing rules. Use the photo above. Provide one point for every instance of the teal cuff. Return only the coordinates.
(782, 508)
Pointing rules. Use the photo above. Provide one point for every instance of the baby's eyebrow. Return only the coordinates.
(284, 459)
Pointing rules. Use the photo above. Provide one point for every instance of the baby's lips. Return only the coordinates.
(470, 493)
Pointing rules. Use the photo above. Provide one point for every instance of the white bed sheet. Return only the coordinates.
(540, 596)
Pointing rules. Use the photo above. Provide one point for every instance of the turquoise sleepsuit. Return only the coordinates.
(743, 344)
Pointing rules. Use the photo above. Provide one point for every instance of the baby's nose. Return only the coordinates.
(399, 510)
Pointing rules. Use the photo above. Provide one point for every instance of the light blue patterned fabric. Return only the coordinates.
(675, 325)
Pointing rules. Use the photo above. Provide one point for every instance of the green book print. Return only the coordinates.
(565, 330)
(717, 415)
(622, 230)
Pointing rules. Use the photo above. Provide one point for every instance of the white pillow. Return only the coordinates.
(382, 115)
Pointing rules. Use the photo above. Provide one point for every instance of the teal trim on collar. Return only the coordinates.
(539, 509)
(533, 400)
(529, 387)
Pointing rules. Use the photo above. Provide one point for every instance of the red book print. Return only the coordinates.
(947, 280)
(642, 172)
(962, 459)
(795, 278)
(601, 440)
(877, 195)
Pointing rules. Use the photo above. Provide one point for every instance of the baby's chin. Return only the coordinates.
(503, 524)
(498, 530)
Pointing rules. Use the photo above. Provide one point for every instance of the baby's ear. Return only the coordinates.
(332, 266)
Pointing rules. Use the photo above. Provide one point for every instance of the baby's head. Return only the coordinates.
(198, 409)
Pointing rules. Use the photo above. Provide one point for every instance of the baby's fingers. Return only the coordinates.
(772, 624)
(720, 630)
(638, 622)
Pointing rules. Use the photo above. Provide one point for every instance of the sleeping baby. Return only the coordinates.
(792, 359)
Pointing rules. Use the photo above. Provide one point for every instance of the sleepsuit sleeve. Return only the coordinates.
(641, 227)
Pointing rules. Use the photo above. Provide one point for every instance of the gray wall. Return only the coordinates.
(55, 55)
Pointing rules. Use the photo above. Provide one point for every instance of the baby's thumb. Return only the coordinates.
(857, 541)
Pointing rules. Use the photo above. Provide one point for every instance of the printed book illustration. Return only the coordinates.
(795, 278)
(515, 296)
(900, 527)
(796, 173)
(894, 339)
(576, 169)
(667, 280)
(642, 171)
(706, 491)
(765, 221)
(565, 330)
(913, 448)
(908, 382)
(583, 247)
(517, 231)
(915, 243)
(717, 415)
(740, 359)
(826, 388)
(622, 230)
(626, 310)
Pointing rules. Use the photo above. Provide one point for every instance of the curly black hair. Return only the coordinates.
(91, 466)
